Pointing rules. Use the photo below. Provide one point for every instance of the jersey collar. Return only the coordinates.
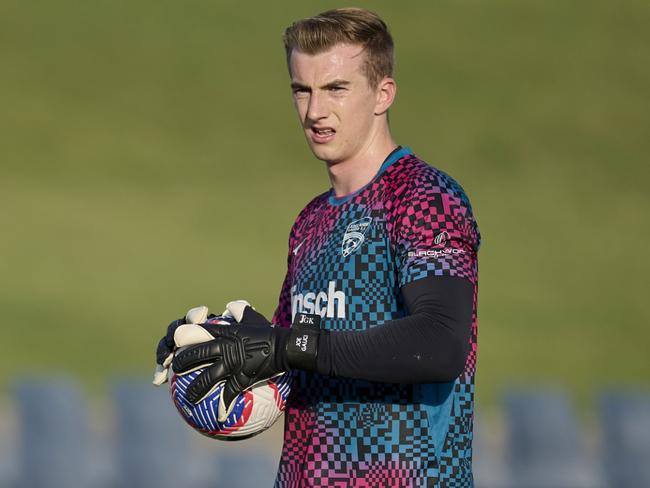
(398, 153)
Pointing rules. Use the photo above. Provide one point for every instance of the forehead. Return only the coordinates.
(343, 61)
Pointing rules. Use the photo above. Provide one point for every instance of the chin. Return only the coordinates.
(323, 153)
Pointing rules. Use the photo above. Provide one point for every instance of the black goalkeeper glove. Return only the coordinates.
(243, 354)
(167, 345)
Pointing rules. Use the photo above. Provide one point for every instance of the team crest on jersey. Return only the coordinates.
(354, 235)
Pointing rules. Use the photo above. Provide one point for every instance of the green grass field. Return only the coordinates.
(150, 161)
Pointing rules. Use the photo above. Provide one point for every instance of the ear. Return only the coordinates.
(386, 91)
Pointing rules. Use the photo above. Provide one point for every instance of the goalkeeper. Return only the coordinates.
(377, 313)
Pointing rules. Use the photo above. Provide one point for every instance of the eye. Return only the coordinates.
(337, 89)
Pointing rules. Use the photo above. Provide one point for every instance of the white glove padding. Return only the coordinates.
(167, 345)
(236, 308)
(189, 334)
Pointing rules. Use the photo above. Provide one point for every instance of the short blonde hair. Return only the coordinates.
(317, 34)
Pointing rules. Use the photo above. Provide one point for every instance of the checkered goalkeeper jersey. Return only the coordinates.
(348, 259)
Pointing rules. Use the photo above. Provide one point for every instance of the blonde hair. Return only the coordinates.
(317, 34)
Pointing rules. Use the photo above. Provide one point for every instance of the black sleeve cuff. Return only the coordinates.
(302, 346)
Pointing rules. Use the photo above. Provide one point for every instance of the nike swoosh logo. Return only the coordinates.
(295, 250)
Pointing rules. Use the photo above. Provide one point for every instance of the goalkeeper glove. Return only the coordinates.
(167, 346)
(243, 354)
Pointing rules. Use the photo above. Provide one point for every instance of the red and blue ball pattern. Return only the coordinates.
(255, 410)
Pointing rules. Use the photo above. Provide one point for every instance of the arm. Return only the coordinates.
(429, 345)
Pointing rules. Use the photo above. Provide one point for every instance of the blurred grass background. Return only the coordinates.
(150, 161)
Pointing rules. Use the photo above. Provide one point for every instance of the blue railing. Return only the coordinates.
(53, 439)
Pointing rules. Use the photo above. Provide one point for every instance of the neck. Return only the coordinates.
(357, 171)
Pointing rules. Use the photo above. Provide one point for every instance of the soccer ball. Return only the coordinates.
(255, 410)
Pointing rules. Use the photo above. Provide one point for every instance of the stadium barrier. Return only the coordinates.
(151, 443)
(54, 437)
(626, 438)
(143, 443)
(545, 443)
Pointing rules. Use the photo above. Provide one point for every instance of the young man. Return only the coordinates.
(378, 307)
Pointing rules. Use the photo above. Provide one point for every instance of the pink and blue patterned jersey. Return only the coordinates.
(348, 259)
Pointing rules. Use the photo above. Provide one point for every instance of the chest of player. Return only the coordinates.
(343, 268)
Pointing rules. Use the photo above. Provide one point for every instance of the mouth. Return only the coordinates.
(322, 135)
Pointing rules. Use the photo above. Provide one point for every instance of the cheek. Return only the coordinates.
(359, 116)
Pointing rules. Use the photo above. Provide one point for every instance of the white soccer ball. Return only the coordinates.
(255, 410)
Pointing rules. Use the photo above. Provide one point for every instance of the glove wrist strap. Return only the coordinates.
(302, 347)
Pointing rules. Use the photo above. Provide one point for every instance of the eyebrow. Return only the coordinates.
(332, 84)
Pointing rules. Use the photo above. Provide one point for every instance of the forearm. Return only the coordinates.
(429, 345)
(408, 350)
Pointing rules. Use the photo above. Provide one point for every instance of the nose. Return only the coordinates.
(317, 108)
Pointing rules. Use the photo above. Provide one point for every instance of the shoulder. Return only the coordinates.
(310, 209)
(413, 181)
(421, 198)
(313, 206)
